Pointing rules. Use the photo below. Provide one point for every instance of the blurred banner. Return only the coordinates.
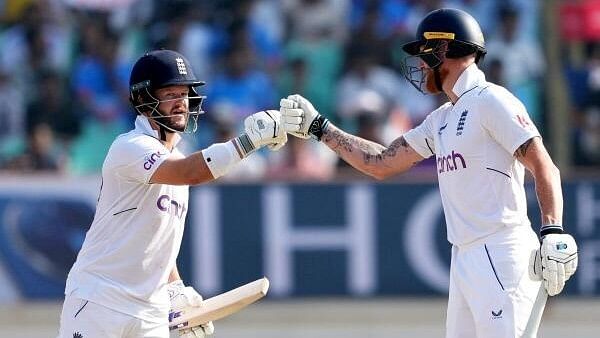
(354, 239)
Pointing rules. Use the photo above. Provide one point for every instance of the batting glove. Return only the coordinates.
(559, 260)
(181, 297)
(301, 119)
(262, 129)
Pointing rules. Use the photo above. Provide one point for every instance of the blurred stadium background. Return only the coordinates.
(347, 256)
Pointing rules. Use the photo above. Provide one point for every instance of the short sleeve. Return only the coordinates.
(506, 120)
(136, 159)
(420, 138)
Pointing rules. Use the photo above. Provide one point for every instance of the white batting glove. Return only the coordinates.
(301, 119)
(555, 262)
(262, 129)
(181, 297)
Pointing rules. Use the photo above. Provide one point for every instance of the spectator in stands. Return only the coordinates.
(40, 153)
(523, 63)
(53, 105)
(12, 117)
(99, 81)
(587, 117)
(309, 16)
(241, 85)
(366, 83)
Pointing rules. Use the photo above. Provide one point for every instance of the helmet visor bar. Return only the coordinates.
(191, 117)
(413, 72)
(412, 67)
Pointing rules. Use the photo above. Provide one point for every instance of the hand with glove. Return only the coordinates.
(181, 297)
(555, 262)
(301, 119)
(260, 129)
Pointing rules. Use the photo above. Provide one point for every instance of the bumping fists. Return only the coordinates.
(264, 128)
(296, 116)
(301, 119)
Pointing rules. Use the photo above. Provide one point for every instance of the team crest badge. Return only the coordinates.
(181, 66)
(461, 123)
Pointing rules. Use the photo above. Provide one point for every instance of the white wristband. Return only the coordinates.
(220, 157)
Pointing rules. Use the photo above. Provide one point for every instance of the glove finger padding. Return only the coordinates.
(297, 106)
(571, 267)
(292, 116)
(535, 265)
(292, 119)
(198, 331)
(287, 103)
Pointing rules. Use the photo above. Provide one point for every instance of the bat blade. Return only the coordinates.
(220, 306)
(535, 319)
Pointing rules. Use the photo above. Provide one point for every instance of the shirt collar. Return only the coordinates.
(470, 78)
(143, 126)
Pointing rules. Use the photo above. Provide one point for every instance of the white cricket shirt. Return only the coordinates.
(474, 141)
(133, 242)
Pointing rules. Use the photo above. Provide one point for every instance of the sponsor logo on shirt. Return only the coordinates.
(524, 121)
(497, 314)
(450, 162)
(167, 204)
(151, 159)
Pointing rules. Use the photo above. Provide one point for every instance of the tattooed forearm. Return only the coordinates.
(387, 153)
(337, 140)
(370, 157)
(522, 150)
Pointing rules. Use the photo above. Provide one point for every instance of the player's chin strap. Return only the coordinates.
(163, 132)
(437, 77)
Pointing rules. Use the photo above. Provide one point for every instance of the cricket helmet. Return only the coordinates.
(447, 30)
(159, 69)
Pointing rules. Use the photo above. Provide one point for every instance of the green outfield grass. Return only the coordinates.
(331, 318)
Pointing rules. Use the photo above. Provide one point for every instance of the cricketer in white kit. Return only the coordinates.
(125, 279)
(482, 139)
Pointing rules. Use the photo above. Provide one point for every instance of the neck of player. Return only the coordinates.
(455, 68)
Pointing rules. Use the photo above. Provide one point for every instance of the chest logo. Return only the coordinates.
(450, 162)
(169, 205)
(461, 123)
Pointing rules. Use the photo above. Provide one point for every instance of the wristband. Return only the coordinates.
(244, 145)
(548, 229)
(220, 157)
(317, 127)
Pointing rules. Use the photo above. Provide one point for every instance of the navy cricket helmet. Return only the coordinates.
(448, 30)
(159, 69)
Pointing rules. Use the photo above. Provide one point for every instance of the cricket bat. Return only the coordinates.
(535, 319)
(219, 306)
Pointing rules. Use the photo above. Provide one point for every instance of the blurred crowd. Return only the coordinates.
(64, 72)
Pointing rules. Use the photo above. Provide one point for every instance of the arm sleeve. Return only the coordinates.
(136, 159)
(420, 138)
(506, 119)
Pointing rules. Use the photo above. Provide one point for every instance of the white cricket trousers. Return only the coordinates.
(83, 319)
(491, 294)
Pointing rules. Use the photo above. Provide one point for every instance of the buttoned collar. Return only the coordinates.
(142, 125)
(470, 78)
